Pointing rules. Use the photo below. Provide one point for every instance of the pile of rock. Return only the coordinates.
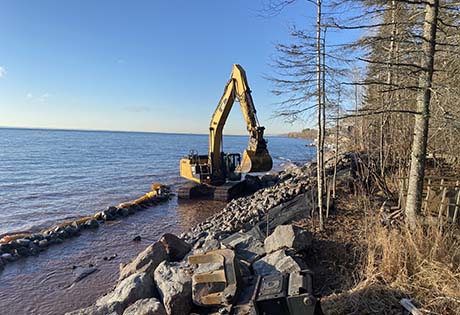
(159, 280)
(13, 247)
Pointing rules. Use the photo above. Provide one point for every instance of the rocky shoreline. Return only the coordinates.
(20, 245)
(256, 228)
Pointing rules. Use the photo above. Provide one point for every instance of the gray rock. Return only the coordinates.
(23, 242)
(22, 251)
(111, 210)
(174, 284)
(131, 210)
(146, 307)
(34, 249)
(92, 224)
(6, 248)
(43, 243)
(37, 237)
(63, 234)
(288, 236)
(209, 243)
(135, 287)
(175, 247)
(276, 262)
(71, 230)
(147, 261)
(8, 257)
(107, 216)
(246, 246)
(123, 212)
(81, 273)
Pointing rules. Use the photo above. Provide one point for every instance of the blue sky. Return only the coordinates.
(138, 65)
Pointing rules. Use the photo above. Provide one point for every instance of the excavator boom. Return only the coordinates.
(256, 157)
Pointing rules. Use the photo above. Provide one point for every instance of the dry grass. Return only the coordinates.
(423, 265)
(364, 267)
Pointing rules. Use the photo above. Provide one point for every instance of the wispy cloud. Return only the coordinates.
(137, 109)
(2, 72)
(42, 98)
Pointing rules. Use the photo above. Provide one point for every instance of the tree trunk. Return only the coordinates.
(320, 148)
(419, 144)
(323, 105)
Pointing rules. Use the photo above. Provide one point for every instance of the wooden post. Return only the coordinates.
(457, 203)
(328, 199)
(443, 200)
(312, 203)
(427, 198)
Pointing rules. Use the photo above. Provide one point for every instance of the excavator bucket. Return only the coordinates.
(255, 161)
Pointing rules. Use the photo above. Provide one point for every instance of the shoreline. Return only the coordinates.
(15, 246)
(283, 199)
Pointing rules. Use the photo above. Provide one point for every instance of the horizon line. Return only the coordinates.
(125, 131)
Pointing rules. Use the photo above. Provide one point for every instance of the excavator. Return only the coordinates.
(219, 172)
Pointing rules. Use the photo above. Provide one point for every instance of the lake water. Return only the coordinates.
(50, 176)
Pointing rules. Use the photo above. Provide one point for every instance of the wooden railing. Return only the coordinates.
(441, 196)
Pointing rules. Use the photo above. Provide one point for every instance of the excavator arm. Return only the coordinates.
(256, 157)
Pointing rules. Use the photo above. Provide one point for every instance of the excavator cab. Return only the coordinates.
(232, 161)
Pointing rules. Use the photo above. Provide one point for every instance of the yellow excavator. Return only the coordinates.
(219, 172)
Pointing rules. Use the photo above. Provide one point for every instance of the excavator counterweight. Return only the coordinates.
(221, 171)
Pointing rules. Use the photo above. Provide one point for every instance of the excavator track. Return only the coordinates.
(229, 191)
(226, 192)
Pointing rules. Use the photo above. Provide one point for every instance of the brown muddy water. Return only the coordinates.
(42, 285)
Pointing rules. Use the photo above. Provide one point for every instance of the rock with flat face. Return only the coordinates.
(174, 284)
(145, 307)
(175, 247)
(288, 236)
(245, 245)
(135, 287)
(276, 262)
(147, 261)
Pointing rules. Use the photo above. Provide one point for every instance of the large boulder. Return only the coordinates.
(277, 262)
(147, 261)
(245, 245)
(135, 287)
(174, 284)
(145, 307)
(288, 236)
(175, 247)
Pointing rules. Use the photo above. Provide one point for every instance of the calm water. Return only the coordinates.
(48, 176)
(51, 176)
